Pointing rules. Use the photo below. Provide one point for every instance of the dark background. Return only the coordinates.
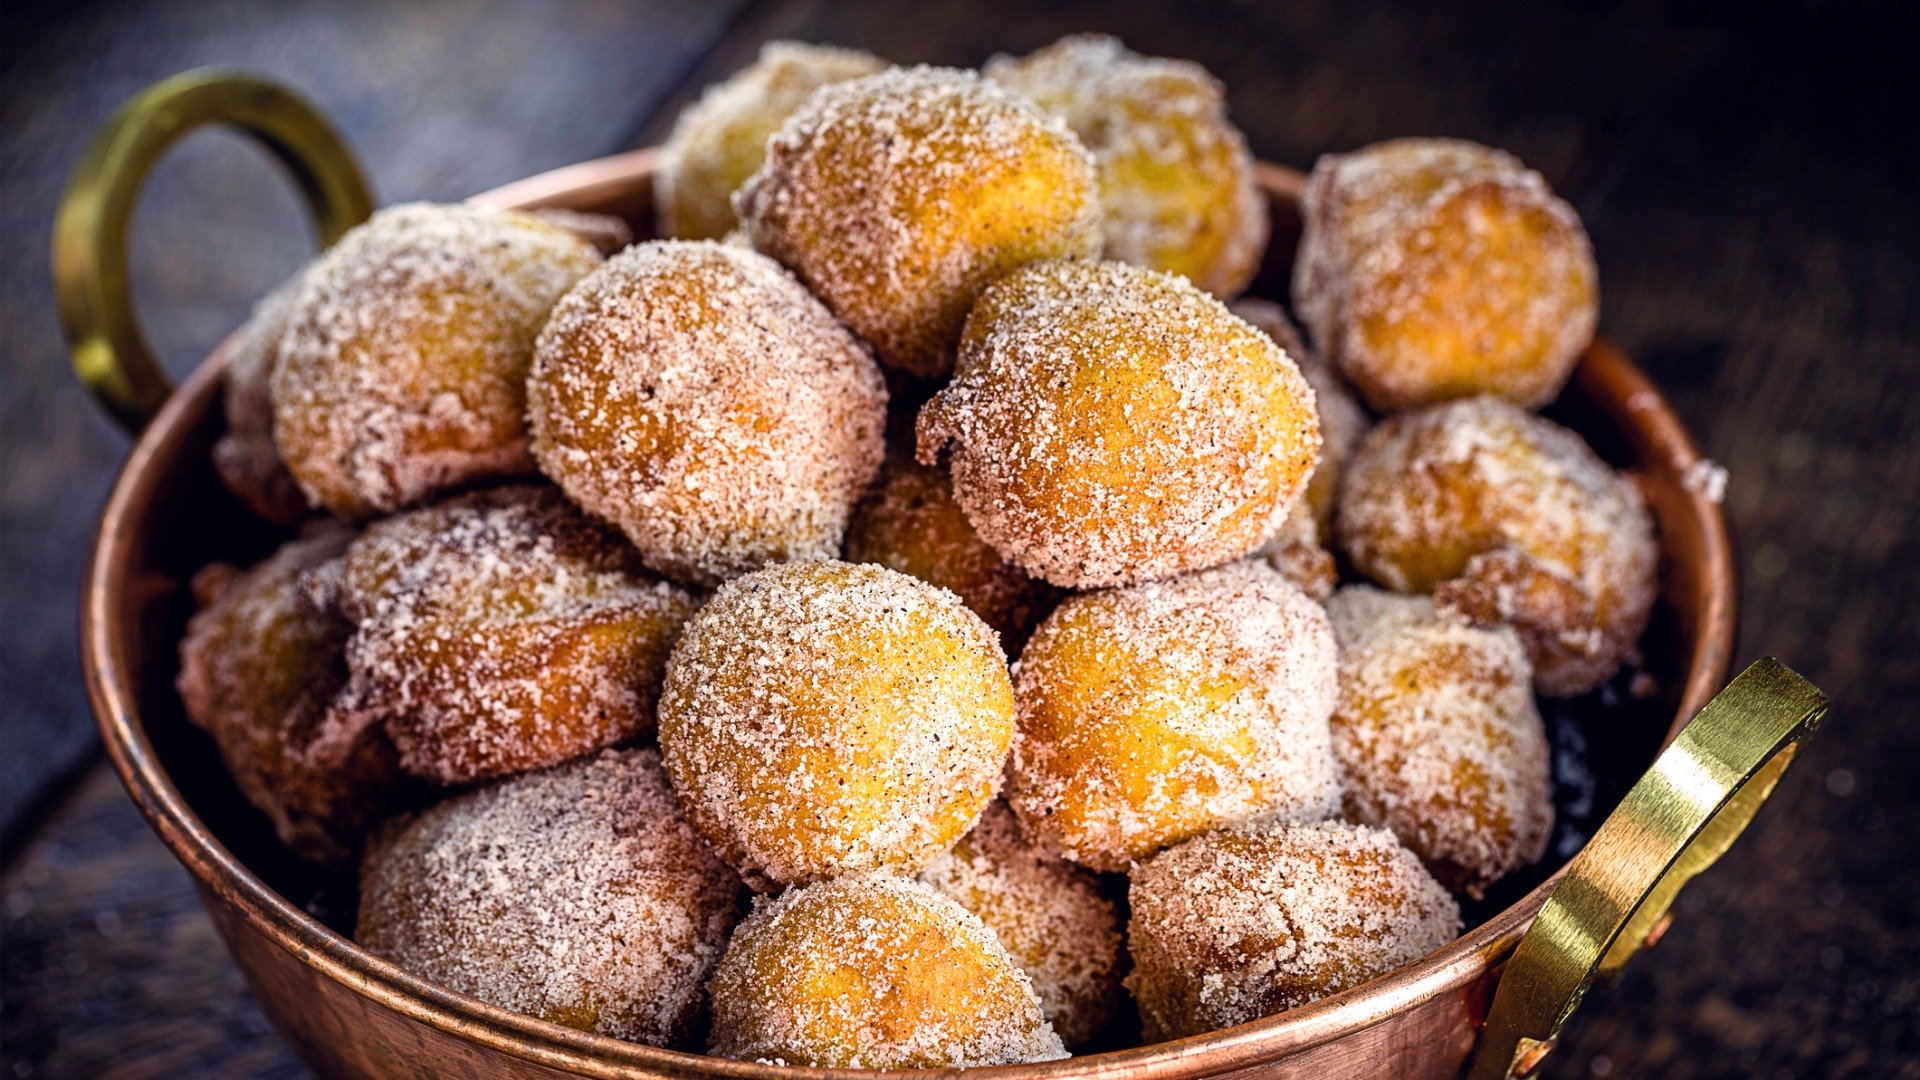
(1750, 174)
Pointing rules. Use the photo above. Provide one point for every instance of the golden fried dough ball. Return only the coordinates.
(1343, 423)
(259, 668)
(500, 631)
(1154, 713)
(1507, 518)
(821, 718)
(1110, 425)
(1176, 178)
(911, 523)
(1438, 738)
(873, 971)
(1433, 269)
(245, 455)
(1258, 919)
(576, 895)
(1295, 551)
(1055, 919)
(721, 139)
(403, 370)
(899, 196)
(696, 396)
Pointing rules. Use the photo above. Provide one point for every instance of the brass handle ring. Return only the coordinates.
(1675, 822)
(110, 354)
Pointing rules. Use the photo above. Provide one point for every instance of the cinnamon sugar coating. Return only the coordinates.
(500, 631)
(1438, 737)
(1433, 269)
(1258, 919)
(1507, 518)
(896, 198)
(823, 718)
(1176, 178)
(403, 369)
(259, 668)
(1154, 713)
(873, 972)
(575, 895)
(693, 394)
(1109, 425)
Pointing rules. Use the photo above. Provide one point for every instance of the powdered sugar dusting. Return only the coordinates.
(823, 718)
(693, 394)
(1438, 737)
(576, 895)
(1054, 918)
(1263, 918)
(1110, 425)
(874, 971)
(899, 196)
(499, 631)
(403, 370)
(1153, 713)
(1176, 177)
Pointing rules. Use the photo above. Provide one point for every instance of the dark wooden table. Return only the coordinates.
(1748, 173)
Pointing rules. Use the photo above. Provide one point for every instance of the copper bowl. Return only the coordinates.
(351, 1013)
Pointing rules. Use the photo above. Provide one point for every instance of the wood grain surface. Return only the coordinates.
(1747, 173)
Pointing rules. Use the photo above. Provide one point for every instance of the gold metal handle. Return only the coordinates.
(1675, 822)
(110, 354)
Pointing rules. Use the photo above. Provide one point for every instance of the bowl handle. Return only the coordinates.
(110, 354)
(1675, 822)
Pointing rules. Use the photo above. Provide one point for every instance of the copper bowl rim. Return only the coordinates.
(1618, 388)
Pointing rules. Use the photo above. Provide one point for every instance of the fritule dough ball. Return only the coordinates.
(1438, 737)
(1258, 919)
(1151, 714)
(245, 456)
(822, 718)
(259, 669)
(696, 396)
(1507, 518)
(1432, 269)
(899, 196)
(1176, 178)
(404, 367)
(576, 895)
(1110, 425)
(721, 139)
(910, 522)
(873, 971)
(501, 631)
(1055, 919)
(1343, 422)
(1296, 552)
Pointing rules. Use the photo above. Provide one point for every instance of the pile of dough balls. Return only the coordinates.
(896, 617)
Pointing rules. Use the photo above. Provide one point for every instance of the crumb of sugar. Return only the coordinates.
(1707, 478)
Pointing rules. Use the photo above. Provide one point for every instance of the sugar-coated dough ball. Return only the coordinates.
(1109, 425)
(1438, 737)
(1055, 919)
(911, 522)
(1154, 713)
(245, 455)
(1296, 552)
(696, 396)
(500, 631)
(823, 718)
(1258, 919)
(1433, 269)
(259, 671)
(575, 895)
(898, 197)
(403, 370)
(720, 140)
(1343, 422)
(873, 971)
(1507, 518)
(1176, 177)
